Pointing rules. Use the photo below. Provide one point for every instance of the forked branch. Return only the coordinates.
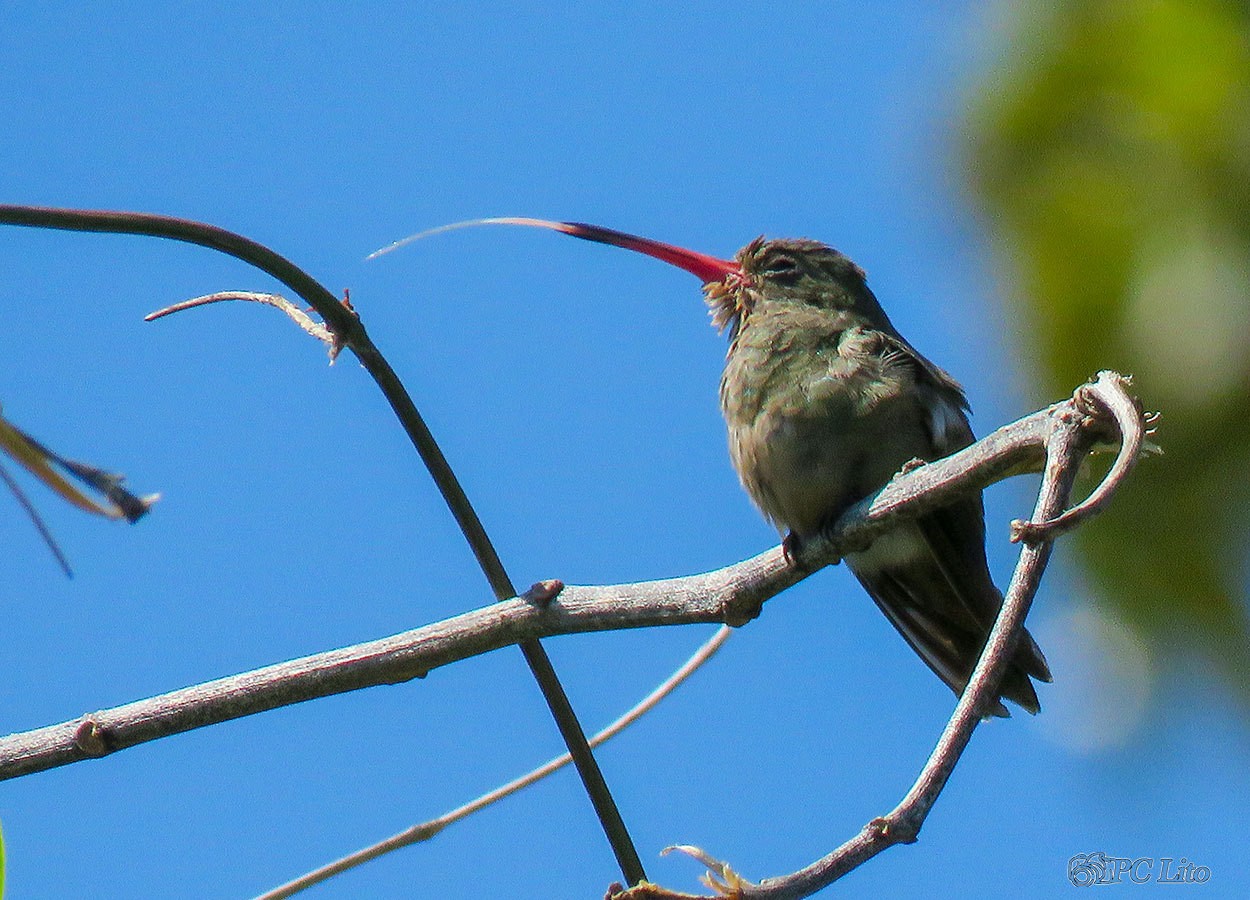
(1072, 428)
(1054, 440)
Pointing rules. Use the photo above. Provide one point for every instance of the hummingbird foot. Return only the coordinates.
(794, 547)
(912, 465)
(791, 546)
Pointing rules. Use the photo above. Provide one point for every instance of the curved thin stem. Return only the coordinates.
(343, 321)
(424, 831)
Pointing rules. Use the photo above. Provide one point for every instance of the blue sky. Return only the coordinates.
(574, 390)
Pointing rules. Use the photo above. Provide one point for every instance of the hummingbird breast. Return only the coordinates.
(820, 413)
(823, 407)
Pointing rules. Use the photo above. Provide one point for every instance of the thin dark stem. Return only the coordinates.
(37, 520)
(349, 329)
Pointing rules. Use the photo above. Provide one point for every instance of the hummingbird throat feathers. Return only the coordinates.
(729, 303)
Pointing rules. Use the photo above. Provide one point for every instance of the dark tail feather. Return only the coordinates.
(943, 632)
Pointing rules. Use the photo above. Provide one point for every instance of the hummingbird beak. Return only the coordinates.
(708, 269)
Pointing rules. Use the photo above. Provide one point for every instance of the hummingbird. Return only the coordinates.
(824, 402)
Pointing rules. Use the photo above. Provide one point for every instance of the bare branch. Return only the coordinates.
(1062, 436)
(732, 595)
(1106, 393)
(293, 312)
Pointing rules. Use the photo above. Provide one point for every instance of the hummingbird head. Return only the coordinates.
(791, 271)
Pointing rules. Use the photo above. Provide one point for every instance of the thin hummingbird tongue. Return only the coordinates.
(707, 268)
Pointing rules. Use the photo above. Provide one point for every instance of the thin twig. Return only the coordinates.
(37, 520)
(296, 315)
(342, 321)
(426, 830)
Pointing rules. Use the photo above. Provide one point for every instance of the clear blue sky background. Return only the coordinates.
(574, 390)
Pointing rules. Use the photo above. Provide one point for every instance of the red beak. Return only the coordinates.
(708, 269)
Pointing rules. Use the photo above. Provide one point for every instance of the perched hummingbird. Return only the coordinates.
(824, 402)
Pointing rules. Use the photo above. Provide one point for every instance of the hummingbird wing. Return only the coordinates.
(930, 577)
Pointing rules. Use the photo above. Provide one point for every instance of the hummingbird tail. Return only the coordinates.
(946, 619)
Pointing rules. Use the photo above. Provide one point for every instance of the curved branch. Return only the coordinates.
(340, 319)
(277, 301)
(1105, 394)
(350, 332)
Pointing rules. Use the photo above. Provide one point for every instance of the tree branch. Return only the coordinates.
(1061, 436)
(732, 595)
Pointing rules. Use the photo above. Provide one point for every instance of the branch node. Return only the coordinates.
(895, 829)
(738, 611)
(93, 739)
(541, 593)
(1022, 531)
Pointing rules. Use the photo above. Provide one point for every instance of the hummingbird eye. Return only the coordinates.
(781, 268)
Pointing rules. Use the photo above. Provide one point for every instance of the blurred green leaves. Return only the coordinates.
(1110, 156)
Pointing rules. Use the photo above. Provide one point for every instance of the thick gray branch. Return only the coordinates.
(731, 595)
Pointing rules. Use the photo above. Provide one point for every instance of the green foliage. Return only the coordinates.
(1110, 152)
